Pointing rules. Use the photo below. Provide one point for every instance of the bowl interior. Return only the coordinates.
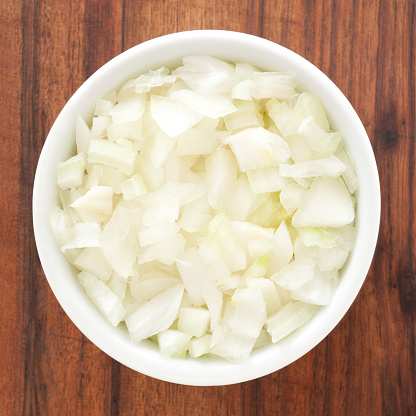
(60, 145)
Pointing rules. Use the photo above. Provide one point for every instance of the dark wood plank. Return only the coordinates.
(64, 372)
(394, 279)
(11, 327)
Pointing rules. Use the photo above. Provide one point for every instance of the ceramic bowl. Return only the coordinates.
(60, 145)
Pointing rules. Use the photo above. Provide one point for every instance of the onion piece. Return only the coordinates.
(326, 204)
(173, 343)
(157, 233)
(70, 173)
(133, 187)
(319, 290)
(199, 346)
(269, 292)
(239, 200)
(194, 275)
(266, 180)
(145, 82)
(119, 251)
(295, 274)
(194, 321)
(129, 110)
(288, 319)
(104, 299)
(197, 141)
(144, 289)
(82, 135)
(91, 259)
(250, 312)
(282, 251)
(212, 106)
(171, 116)
(113, 155)
(96, 205)
(207, 75)
(118, 285)
(155, 315)
(327, 167)
(83, 235)
(233, 348)
(273, 84)
(256, 148)
(349, 175)
(221, 175)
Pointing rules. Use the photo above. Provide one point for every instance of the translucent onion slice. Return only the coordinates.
(213, 105)
(194, 321)
(173, 343)
(321, 237)
(129, 110)
(113, 155)
(266, 180)
(144, 289)
(160, 148)
(70, 173)
(104, 299)
(96, 205)
(145, 82)
(83, 235)
(282, 252)
(119, 251)
(82, 135)
(197, 141)
(92, 260)
(199, 346)
(349, 175)
(319, 290)
(234, 348)
(322, 143)
(256, 148)
(171, 116)
(221, 175)
(295, 274)
(133, 187)
(61, 231)
(103, 106)
(155, 315)
(328, 167)
(291, 317)
(221, 244)
(292, 197)
(240, 200)
(273, 85)
(167, 251)
(269, 292)
(326, 204)
(207, 75)
(156, 233)
(250, 312)
(118, 285)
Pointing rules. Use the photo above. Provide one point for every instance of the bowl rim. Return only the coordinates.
(198, 373)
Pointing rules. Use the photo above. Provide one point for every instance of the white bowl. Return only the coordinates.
(60, 144)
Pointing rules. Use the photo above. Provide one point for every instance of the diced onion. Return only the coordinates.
(211, 208)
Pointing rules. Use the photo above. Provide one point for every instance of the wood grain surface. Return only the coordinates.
(367, 365)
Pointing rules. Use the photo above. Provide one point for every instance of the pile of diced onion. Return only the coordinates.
(210, 208)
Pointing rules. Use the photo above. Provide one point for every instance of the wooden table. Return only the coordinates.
(367, 365)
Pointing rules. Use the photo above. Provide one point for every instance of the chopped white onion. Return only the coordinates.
(256, 148)
(155, 315)
(210, 207)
